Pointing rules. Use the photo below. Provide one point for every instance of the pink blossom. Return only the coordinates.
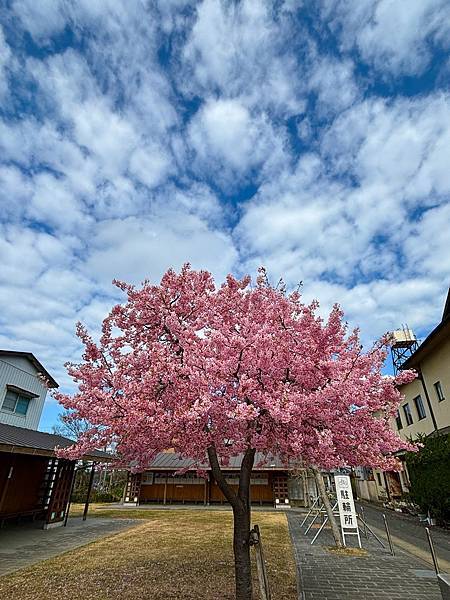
(187, 365)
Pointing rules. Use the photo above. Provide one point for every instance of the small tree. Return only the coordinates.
(217, 372)
(70, 426)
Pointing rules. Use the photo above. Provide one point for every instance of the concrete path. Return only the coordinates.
(24, 545)
(409, 535)
(378, 575)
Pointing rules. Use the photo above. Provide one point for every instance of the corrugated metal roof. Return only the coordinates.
(39, 440)
(172, 461)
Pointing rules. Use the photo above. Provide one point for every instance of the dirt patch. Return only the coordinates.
(358, 552)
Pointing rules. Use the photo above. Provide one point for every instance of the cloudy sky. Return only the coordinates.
(310, 137)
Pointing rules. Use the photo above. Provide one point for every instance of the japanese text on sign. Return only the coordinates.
(346, 505)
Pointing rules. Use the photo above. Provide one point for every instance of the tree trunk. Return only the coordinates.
(328, 508)
(241, 548)
(240, 503)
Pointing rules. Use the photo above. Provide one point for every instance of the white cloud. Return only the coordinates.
(53, 204)
(42, 19)
(141, 142)
(223, 128)
(399, 145)
(395, 36)
(345, 220)
(6, 58)
(15, 190)
(229, 139)
(427, 247)
(150, 164)
(135, 249)
(382, 305)
(329, 76)
(238, 49)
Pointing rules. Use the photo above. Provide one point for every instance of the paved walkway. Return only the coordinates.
(27, 544)
(326, 576)
(408, 534)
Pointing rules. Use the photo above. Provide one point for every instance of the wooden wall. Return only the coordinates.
(23, 491)
(175, 493)
(193, 491)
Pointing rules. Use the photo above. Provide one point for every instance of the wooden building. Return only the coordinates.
(162, 482)
(22, 389)
(33, 481)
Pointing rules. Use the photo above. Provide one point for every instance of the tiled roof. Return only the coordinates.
(173, 461)
(38, 441)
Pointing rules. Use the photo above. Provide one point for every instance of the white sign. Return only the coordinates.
(346, 505)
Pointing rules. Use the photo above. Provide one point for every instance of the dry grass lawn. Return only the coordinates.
(170, 555)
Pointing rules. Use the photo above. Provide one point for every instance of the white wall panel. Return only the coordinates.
(12, 372)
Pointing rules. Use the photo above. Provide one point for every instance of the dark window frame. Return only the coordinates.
(439, 391)
(398, 420)
(420, 408)
(19, 398)
(408, 414)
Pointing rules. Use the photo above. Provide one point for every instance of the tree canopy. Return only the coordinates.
(191, 366)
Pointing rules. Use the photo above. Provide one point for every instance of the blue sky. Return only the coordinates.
(311, 137)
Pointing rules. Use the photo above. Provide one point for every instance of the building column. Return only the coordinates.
(8, 480)
(88, 495)
(205, 491)
(165, 491)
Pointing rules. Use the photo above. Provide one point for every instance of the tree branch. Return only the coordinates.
(220, 478)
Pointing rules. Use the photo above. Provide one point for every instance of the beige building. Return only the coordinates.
(425, 408)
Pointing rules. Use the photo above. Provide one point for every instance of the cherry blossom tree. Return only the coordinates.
(215, 372)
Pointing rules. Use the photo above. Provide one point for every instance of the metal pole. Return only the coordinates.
(69, 502)
(314, 520)
(387, 486)
(309, 512)
(433, 553)
(319, 531)
(88, 495)
(363, 519)
(371, 531)
(322, 526)
(388, 535)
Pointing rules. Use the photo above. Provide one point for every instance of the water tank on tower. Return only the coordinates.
(403, 344)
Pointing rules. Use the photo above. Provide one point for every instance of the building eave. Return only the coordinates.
(51, 382)
(439, 334)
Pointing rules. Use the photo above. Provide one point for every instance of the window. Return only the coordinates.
(147, 478)
(420, 407)
(379, 479)
(16, 403)
(408, 415)
(439, 392)
(398, 420)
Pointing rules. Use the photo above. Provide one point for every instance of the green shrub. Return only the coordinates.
(429, 473)
(79, 497)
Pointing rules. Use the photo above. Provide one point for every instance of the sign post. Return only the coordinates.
(346, 505)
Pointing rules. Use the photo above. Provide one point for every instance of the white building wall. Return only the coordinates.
(20, 372)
